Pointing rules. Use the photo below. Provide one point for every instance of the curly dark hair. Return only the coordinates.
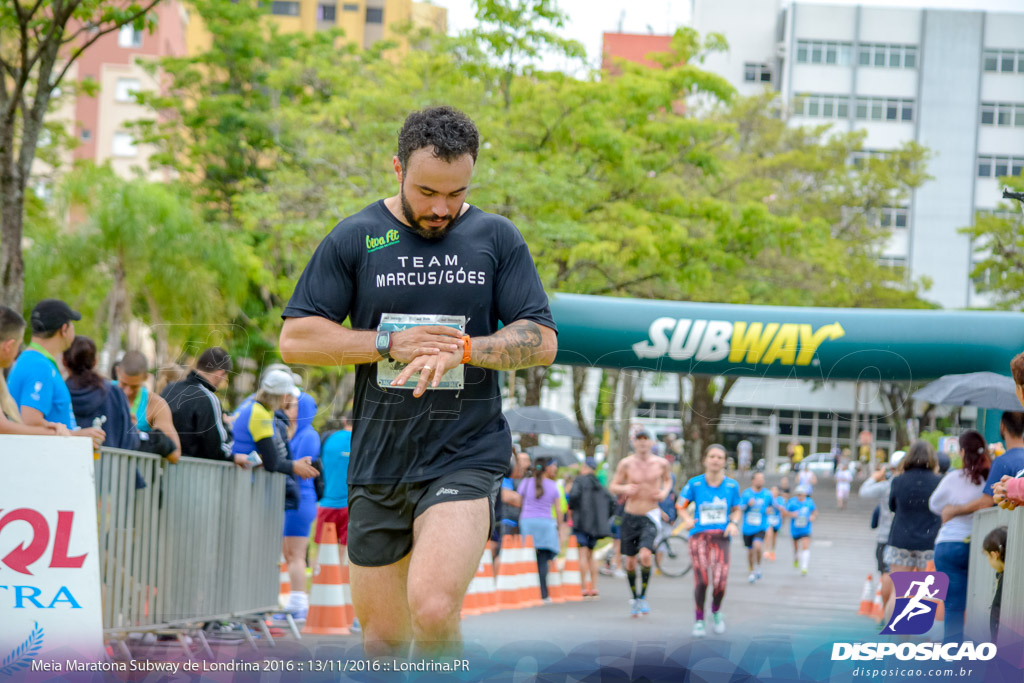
(447, 130)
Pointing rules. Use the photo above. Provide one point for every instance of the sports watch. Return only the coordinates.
(384, 344)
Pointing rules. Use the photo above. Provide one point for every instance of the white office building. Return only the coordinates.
(952, 80)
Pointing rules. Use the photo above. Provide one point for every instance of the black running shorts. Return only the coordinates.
(748, 541)
(381, 516)
(638, 531)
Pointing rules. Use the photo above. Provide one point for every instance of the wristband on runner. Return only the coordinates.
(465, 352)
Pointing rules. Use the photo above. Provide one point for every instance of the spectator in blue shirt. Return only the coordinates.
(36, 383)
(12, 331)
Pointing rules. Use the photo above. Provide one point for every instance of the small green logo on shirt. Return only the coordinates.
(375, 243)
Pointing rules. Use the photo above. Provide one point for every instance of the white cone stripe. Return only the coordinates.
(327, 596)
(329, 554)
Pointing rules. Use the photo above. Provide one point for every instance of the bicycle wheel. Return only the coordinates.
(673, 556)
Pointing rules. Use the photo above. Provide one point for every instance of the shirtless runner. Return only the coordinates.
(645, 481)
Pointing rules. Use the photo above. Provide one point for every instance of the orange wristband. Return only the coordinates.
(465, 353)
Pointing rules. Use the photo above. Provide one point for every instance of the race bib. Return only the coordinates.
(774, 520)
(753, 519)
(800, 522)
(712, 514)
(388, 370)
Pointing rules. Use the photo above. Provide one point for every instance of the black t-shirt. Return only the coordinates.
(371, 264)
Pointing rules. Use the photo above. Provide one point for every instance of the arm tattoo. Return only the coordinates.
(515, 346)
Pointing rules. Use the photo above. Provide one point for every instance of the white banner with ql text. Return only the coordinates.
(49, 565)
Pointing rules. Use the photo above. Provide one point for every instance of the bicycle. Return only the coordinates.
(672, 552)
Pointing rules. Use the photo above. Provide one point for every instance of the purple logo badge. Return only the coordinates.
(921, 592)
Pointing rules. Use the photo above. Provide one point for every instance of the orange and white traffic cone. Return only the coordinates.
(488, 589)
(285, 584)
(865, 599)
(474, 601)
(555, 589)
(572, 588)
(877, 606)
(330, 608)
(507, 584)
(531, 583)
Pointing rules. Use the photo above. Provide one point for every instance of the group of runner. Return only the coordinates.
(719, 511)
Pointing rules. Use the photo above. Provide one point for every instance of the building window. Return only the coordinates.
(86, 134)
(326, 12)
(757, 73)
(374, 15)
(1004, 61)
(348, 7)
(284, 9)
(820, 106)
(884, 109)
(859, 157)
(885, 55)
(892, 217)
(999, 167)
(125, 89)
(124, 145)
(823, 52)
(1002, 114)
(127, 36)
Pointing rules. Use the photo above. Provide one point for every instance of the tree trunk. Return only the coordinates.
(115, 318)
(535, 378)
(590, 438)
(706, 409)
(630, 381)
(689, 461)
(160, 340)
(12, 266)
(899, 408)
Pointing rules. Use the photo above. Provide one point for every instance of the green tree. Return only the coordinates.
(137, 249)
(39, 43)
(998, 241)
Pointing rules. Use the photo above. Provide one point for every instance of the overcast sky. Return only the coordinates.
(588, 19)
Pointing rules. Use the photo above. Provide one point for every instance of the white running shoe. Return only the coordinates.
(757, 574)
(752, 578)
(718, 625)
(698, 629)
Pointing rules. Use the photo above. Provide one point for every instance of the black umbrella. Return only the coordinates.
(563, 457)
(986, 390)
(537, 420)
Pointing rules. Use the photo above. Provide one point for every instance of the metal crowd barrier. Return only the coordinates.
(200, 542)
(981, 580)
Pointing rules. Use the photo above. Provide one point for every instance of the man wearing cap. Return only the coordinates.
(196, 410)
(35, 382)
(591, 507)
(645, 480)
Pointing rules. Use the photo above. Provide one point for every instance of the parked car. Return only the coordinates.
(820, 464)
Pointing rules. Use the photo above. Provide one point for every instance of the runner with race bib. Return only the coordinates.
(802, 512)
(775, 513)
(713, 522)
(756, 502)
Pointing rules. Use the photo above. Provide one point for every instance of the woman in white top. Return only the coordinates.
(952, 545)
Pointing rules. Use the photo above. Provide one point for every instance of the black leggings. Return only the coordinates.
(543, 557)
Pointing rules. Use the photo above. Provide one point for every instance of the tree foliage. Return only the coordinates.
(654, 182)
(39, 43)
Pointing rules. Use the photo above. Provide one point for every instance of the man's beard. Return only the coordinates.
(414, 222)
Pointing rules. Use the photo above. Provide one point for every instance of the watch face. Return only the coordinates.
(383, 342)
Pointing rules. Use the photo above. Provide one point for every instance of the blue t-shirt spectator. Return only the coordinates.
(713, 503)
(756, 505)
(335, 454)
(1011, 462)
(35, 382)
